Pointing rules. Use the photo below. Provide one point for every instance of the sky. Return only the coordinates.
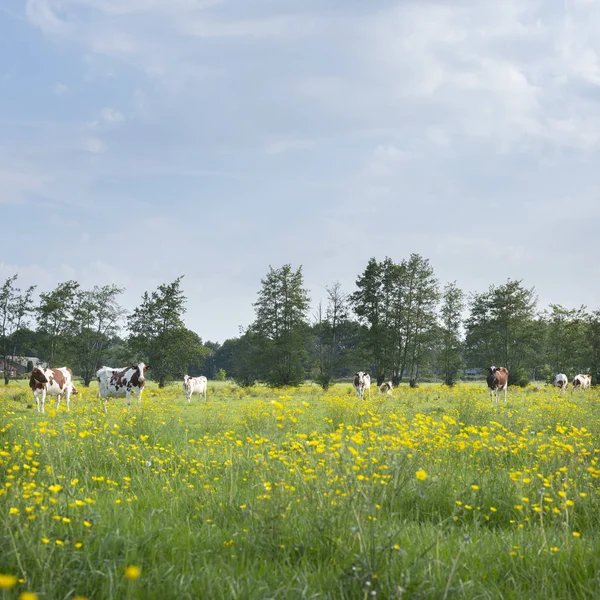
(141, 140)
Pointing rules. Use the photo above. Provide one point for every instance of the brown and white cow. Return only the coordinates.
(582, 382)
(121, 382)
(362, 383)
(194, 385)
(497, 380)
(52, 382)
(561, 382)
(386, 388)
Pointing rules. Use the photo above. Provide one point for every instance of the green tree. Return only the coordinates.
(566, 339)
(451, 344)
(501, 329)
(371, 304)
(159, 336)
(331, 329)
(94, 322)
(54, 316)
(281, 325)
(15, 306)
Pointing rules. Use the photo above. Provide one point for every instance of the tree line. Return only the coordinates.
(399, 324)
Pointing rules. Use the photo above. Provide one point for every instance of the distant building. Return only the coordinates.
(18, 365)
(472, 372)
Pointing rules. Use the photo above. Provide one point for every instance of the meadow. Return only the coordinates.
(258, 493)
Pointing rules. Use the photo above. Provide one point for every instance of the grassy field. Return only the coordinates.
(427, 493)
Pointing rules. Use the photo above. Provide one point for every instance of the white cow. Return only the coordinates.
(121, 382)
(582, 382)
(194, 385)
(362, 382)
(386, 388)
(53, 382)
(561, 382)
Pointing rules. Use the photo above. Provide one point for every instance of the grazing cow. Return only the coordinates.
(497, 380)
(121, 382)
(194, 385)
(386, 388)
(561, 382)
(362, 382)
(53, 382)
(582, 382)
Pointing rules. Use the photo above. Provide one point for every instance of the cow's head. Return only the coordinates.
(73, 390)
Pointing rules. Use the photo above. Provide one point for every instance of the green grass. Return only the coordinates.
(298, 494)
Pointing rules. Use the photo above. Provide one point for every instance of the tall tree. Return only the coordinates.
(566, 339)
(451, 344)
(54, 315)
(281, 324)
(501, 329)
(331, 332)
(158, 333)
(95, 321)
(371, 304)
(15, 306)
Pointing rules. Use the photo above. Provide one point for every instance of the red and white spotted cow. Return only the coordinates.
(194, 385)
(52, 382)
(386, 388)
(497, 380)
(362, 383)
(561, 382)
(582, 382)
(113, 383)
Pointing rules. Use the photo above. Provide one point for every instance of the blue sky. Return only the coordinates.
(144, 139)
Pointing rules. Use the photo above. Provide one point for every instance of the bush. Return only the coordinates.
(519, 378)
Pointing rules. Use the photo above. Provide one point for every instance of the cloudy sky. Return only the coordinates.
(144, 139)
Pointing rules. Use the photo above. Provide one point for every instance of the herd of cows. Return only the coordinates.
(112, 383)
(115, 382)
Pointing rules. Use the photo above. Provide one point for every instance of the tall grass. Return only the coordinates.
(427, 493)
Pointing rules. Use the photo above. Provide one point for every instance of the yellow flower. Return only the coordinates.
(132, 572)
(7, 582)
(475, 487)
(45, 540)
(78, 545)
(14, 511)
(396, 547)
(87, 523)
(28, 596)
(576, 534)
(554, 549)
(421, 475)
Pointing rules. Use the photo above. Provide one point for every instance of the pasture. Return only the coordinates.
(259, 493)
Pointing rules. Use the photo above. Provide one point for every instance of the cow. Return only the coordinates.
(54, 382)
(561, 382)
(121, 382)
(194, 385)
(362, 382)
(497, 380)
(386, 388)
(582, 382)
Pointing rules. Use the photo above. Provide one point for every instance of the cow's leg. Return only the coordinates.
(189, 397)
(505, 393)
(68, 398)
(57, 401)
(43, 399)
(104, 402)
(37, 401)
(128, 397)
(139, 398)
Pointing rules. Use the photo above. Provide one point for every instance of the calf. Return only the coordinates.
(497, 380)
(582, 382)
(362, 382)
(386, 388)
(121, 382)
(194, 385)
(561, 382)
(53, 382)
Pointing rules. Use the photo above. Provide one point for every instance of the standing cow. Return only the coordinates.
(52, 382)
(121, 382)
(362, 383)
(561, 382)
(194, 385)
(497, 380)
(582, 382)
